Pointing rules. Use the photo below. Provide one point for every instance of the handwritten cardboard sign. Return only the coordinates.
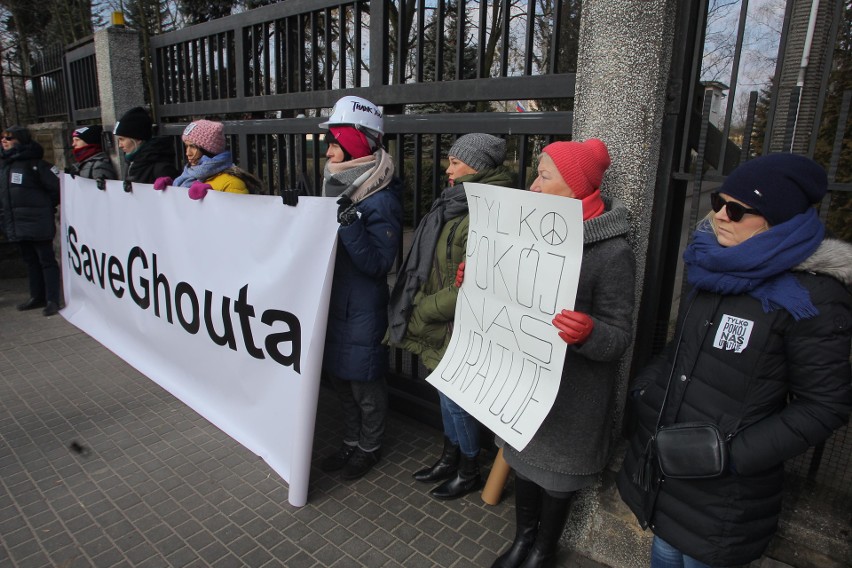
(504, 361)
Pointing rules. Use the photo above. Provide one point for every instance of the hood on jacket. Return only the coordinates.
(832, 258)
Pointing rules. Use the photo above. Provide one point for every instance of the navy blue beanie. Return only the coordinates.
(780, 186)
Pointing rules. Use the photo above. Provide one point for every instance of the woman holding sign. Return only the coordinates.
(423, 302)
(571, 447)
(761, 364)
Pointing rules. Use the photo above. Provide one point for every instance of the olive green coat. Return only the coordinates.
(431, 323)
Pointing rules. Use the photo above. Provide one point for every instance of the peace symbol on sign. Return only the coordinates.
(554, 229)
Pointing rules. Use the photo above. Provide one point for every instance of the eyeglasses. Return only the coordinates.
(734, 210)
(8, 138)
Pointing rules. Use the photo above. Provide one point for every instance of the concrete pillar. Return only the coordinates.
(120, 79)
(623, 67)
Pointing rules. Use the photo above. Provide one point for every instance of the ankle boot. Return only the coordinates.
(554, 515)
(466, 481)
(444, 468)
(527, 511)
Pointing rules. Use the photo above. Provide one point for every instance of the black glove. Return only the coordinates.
(101, 183)
(290, 196)
(346, 211)
(70, 171)
(128, 186)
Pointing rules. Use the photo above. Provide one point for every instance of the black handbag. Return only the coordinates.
(691, 450)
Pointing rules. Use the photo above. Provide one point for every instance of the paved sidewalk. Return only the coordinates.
(101, 467)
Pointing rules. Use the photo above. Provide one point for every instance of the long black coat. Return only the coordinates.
(779, 384)
(29, 194)
(154, 159)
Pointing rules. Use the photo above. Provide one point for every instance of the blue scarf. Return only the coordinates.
(759, 266)
(204, 169)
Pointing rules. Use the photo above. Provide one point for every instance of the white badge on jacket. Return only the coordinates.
(733, 333)
(17, 178)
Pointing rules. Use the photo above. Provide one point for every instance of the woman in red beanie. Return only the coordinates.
(571, 447)
(761, 356)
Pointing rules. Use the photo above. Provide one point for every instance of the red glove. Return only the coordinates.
(163, 182)
(460, 275)
(198, 190)
(574, 327)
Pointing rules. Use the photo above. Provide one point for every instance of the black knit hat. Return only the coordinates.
(479, 151)
(780, 186)
(88, 134)
(136, 123)
(20, 133)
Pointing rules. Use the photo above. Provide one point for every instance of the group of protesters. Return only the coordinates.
(760, 357)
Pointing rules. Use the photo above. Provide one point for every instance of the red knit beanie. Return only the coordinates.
(581, 164)
(352, 141)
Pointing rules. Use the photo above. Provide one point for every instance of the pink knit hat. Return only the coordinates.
(581, 164)
(205, 134)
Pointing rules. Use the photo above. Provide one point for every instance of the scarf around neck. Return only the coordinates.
(205, 169)
(759, 266)
(360, 178)
(415, 269)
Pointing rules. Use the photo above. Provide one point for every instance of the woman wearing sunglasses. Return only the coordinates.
(761, 353)
(29, 194)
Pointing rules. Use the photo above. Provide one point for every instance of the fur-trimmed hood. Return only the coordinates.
(832, 258)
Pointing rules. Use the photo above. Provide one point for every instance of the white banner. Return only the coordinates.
(504, 361)
(222, 301)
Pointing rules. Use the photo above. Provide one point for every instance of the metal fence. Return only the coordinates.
(439, 68)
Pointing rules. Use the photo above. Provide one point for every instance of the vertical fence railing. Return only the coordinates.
(48, 84)
(81, 71)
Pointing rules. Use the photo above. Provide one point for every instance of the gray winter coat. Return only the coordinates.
(574, 438)
(98, 166)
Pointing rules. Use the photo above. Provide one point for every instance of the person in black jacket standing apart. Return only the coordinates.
(29, 194)
(761, 352)
(359, 174)
(147, 158)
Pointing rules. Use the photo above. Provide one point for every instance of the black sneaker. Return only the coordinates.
(51, 309)
(337, 460)
(360, 463)
(30, 304)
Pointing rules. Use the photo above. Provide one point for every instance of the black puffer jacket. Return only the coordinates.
(154, 159)
(744, 389)
(29, 194)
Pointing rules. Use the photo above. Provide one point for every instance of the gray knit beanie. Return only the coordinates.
(480, 151)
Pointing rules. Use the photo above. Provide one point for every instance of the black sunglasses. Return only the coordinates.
(735, 211)
(8, 138)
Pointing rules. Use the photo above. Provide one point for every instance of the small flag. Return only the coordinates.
(519, 107)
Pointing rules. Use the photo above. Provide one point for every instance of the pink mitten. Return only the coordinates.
(163, 182)
(199, 189)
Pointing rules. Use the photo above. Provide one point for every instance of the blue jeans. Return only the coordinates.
(664, 555)
(460, 427)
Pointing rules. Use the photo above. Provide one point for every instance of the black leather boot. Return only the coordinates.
(467, 480)
(527, 511)
(444, 468)
(554, 515)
